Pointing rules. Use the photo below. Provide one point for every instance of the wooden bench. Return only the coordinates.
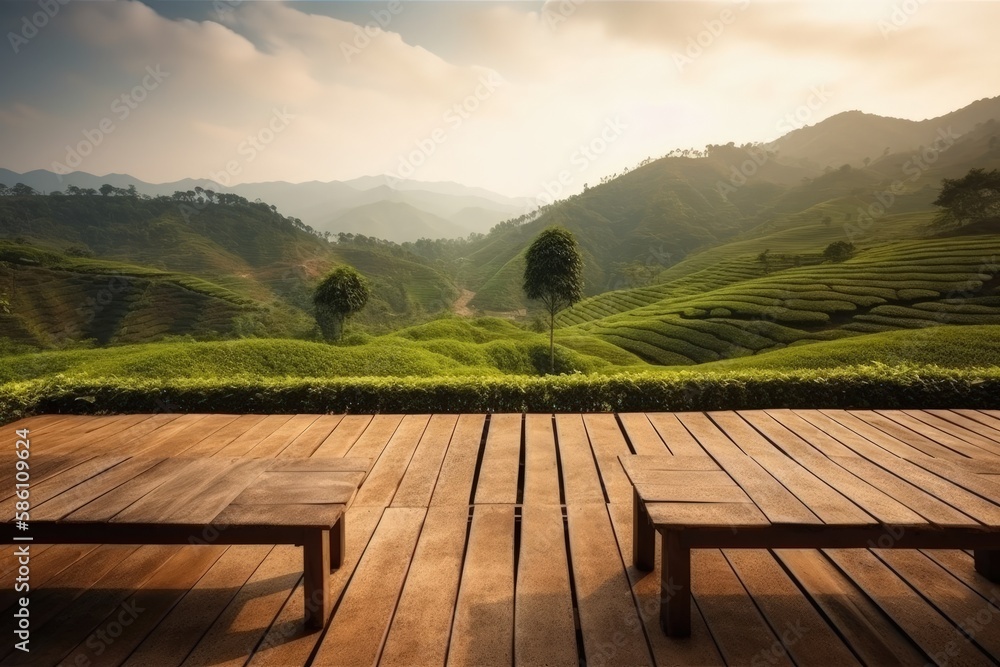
(772, 501)
(142, 500)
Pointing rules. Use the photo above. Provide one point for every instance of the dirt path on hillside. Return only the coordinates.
(461, 305)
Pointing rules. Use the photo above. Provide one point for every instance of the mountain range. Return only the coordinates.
(371, 205)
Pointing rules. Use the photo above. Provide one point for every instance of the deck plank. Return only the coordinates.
(412, 590)
(421, 626)
(965, 420)
(246, 441)
(741, 633)
(388, 471)
(145, 608)
(904, 437)
(454, 484)
(640, 432)
(925, 626)
(872, 636)
(929, 427)
(869, 498)
(275, 443)
(611, 625)
(216, 441)
(544, 631)
(500, 469)
(189, 428)
(948, 595)
(349, 430)
(579, 470)
(179, 631)
(608, 444)
(417, 486)
(541, 472)
(288, 641)
(310, 439)
(357, 633)
(802, 632)
(678, 439)
(55, 638)
(482, 634)
(62, 593)
(698, 650)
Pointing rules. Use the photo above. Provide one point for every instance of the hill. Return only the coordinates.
(852, 136)
(266, 261)
(319, 203)
(911, 285)
(677, 216)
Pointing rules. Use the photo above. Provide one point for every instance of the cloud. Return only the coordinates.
(362, 100)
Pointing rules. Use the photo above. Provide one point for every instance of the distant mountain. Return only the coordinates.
(319, 204)
(852, 136)
(678, 215)
(396, 220)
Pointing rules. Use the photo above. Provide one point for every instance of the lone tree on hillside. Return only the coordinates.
(838, 251)
(553, 274)
(973, 198)
(342, 293)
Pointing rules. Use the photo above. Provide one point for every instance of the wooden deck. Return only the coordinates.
(504, 540)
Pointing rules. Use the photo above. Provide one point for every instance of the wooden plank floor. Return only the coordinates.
(506, 540)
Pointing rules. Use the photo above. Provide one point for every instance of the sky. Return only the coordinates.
(518, 97)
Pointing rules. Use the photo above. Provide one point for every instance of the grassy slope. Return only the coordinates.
(905, 285)
(244, 255)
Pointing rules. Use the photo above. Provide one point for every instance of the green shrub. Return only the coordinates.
(874, 386)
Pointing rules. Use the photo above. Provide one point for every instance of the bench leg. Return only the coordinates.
(643, 536)
(316, 571)
(338, 543)
(988, 563)
(675, 586)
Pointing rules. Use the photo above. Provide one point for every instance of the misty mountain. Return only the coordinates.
(462, 209)
(396, 220)
(852, 136)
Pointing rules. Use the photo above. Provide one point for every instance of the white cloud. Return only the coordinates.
(563, 81)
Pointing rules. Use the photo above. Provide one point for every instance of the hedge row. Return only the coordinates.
(877, 386)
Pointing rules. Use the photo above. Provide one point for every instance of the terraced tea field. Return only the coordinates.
(110, 303)
(713, 314)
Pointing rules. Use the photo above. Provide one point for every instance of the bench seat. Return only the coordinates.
(223, 501)
(772, 501)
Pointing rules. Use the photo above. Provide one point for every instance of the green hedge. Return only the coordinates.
(876, 386)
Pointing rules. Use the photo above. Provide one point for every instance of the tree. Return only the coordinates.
(838, 251)
(22, 190)
(106, 189)
(827, 221)
(553, 274)
(765, 259)
(973, 198)
(341, 294)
